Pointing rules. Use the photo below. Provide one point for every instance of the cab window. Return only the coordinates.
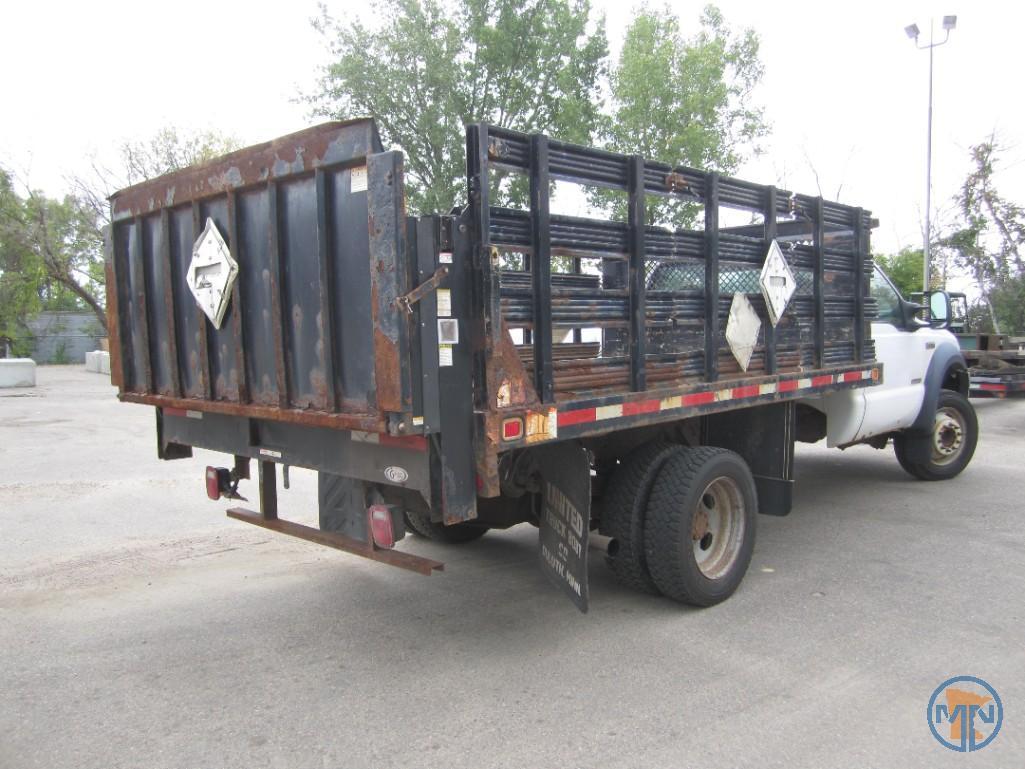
(887, 299)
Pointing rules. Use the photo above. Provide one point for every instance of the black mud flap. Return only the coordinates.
(565, 517)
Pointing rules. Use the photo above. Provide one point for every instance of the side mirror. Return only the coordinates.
(939, 309)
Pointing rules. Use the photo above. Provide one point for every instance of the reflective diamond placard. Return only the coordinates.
(778, 283)
(211, 273)
(742, 329)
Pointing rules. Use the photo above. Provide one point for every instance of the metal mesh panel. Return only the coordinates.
(674, 276)
(739, 280)
(805, 281)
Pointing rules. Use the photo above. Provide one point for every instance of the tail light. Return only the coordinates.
(218, 482)
(512, 429)
(387, 525)
(382, 527)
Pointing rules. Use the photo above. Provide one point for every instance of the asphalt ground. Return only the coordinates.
(141, 628)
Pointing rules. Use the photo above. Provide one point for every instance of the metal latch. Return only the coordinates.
(407, 301)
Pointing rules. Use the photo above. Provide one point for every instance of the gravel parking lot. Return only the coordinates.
(141, 628)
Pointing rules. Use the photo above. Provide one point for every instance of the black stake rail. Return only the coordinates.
(541, 268)
(636, 274)
(622, 300)
(770, 235)
(712, 278)
(860, 250)
(819, 268)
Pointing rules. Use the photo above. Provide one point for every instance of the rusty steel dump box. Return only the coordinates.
(278, 304)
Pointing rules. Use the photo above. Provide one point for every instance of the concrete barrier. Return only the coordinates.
(98, 362)
(17, 372)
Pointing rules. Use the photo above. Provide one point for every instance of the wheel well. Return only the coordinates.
(956, 379)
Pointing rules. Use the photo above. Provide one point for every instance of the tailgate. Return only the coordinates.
(309, 255)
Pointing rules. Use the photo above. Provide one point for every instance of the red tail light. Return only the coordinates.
(512, 429)
(218, 481)
(381, 528)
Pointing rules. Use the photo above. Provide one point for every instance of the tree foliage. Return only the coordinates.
(685, 99)
(21, 273)
(427, 67)
(46, 257)
(51, 249)
(988, 239)
(904, 268)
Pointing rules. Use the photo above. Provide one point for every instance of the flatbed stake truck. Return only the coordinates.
(450, 374)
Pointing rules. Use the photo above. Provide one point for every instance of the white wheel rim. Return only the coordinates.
(947, 436)
(717, 528)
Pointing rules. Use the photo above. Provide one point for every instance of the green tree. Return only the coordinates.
(21, 273)
(51, 250)
(427, 67)
(988, 238)
(45, 255)
(1008, 302)
(904, 268)
(685, 100)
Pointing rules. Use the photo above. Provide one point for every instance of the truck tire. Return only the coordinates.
(700, 528)
(949, 448)
(623, 513)
(420, 523)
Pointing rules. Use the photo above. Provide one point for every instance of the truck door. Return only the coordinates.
(905, 355)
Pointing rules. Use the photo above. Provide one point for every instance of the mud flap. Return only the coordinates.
(565, 517)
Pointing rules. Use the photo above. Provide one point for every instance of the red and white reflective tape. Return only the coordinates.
(997, 387)
(171, 412)
(705, 397)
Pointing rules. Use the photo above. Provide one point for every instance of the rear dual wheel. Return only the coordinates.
(700, 529)
(683, 522)
(624, 511)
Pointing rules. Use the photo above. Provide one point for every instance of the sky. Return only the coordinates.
(845, 91)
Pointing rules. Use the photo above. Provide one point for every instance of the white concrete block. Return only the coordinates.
(98, 362)
(17, 372)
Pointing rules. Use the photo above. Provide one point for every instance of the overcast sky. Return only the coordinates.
(845, 91)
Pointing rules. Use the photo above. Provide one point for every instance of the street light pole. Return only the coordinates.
(927, 246)
(949, 22)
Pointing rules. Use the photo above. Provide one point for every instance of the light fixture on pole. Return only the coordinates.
(912, 31)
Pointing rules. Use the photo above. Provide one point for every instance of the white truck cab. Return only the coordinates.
(922, 400)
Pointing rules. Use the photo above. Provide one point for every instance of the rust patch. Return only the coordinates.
(319, 384)
(296, 153)
(387, 372)
(370, 423)
(506, 371)
(117, 376)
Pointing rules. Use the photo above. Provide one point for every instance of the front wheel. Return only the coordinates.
(948, 449)
(700, 527)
